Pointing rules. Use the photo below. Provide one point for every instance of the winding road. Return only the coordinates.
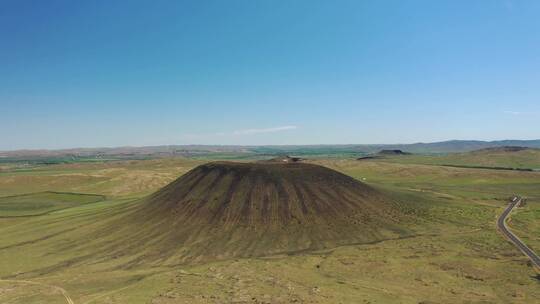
(501, 224)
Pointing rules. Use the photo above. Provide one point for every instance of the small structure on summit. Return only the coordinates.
(284, 159)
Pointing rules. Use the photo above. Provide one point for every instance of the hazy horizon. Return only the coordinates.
(268, 145)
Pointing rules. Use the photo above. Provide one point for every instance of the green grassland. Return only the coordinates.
(526, 223)
(523, 159)
(114, 178)
(43, 202)
(455, 255)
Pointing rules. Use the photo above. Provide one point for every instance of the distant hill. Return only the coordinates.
(383, 154)
(392, 152)
(502, 149)
(217, 151)
(451, 146)
(455, 146)
(503, 157)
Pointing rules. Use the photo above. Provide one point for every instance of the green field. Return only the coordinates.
(488, 158)
(41, 203)
(454, 256)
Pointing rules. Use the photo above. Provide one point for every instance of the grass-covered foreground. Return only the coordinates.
(455, 255)
(497, 158)
(40, 203)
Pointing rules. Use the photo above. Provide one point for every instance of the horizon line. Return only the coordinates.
(260, 145)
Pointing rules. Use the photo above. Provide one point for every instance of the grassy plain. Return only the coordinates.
(526, 223)
(40, 203)
(455, 256)
(500, 158)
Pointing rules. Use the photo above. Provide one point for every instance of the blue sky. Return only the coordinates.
(113, 73)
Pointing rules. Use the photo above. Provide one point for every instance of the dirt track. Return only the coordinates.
(57, 288)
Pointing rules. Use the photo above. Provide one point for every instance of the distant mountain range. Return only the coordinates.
(451, 146)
